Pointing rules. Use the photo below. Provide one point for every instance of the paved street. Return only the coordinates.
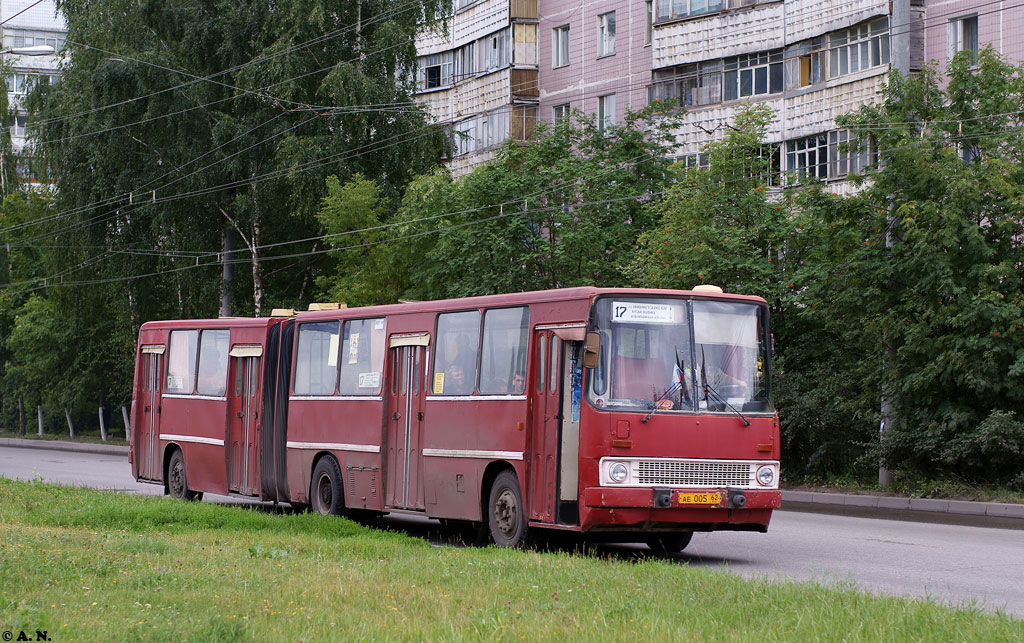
(952, 563)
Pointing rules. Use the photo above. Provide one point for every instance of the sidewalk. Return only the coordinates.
(960, 511)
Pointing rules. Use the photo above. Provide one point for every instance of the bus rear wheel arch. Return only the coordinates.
(176, 480)
(326, 494)
(506, 513)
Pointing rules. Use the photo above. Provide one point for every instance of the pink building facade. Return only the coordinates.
(585, 63)
(956, 25)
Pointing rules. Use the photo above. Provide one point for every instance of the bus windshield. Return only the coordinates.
(680, 354)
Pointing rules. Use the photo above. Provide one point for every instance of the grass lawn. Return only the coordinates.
(101, 566)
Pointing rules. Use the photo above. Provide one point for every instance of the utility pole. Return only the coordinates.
(899, 37)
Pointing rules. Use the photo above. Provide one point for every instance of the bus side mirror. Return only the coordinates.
(592, 350)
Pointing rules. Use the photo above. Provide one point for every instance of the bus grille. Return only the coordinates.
(694, 474)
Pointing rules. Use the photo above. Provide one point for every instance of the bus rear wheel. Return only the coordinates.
(505, 516)
(325, 492)
(669, 543)
(177, 482)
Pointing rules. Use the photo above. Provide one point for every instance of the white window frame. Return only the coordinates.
(649, 26)
(960, 32)
(605, 112)
(560, 46)
(738, 67)
(859, 48)
(560, 112)
(808, 156)
(606, 34)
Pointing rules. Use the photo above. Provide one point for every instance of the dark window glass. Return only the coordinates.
(316, 359)
(455, 357)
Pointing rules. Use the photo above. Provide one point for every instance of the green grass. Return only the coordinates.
(101, 566)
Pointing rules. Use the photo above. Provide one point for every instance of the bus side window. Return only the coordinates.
(213, 362)
(455, 357)
(316, 359)
(362, 356)
(181, 361)
(503, 357)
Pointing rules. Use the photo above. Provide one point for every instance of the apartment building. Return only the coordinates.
(33, 35)
(809, 61)
(479, 79)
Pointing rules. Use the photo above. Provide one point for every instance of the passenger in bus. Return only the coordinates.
(518, 383)
(455, 382)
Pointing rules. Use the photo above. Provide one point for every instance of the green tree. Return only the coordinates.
(179, 131)
(927, 281)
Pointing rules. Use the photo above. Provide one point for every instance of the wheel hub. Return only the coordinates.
(507, 513)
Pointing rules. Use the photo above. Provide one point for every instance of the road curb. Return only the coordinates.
(824, 501)
(60, 445)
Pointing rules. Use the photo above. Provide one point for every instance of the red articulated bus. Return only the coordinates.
(639, 415)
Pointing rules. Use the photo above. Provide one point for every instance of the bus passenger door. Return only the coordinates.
(545, 387)
(406, 394)
(243, 420)
(146, 435)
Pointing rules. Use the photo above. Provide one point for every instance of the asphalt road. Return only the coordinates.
(954, 564)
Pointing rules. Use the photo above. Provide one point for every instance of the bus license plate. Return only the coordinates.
(700, 498)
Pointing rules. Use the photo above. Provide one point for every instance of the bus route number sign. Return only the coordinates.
(635, 312)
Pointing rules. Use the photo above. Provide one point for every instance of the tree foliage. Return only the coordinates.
(179, 131)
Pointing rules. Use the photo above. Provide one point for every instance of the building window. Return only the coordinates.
(668, 9)
(20, 125)
(694, 162)
(753, 75)
(605, 112)
(435, 71)
(606, 34)
(495, 51)
(962, 35)
(692, 85)
(808, 156)
(18, 38)
(859, 48)
(560, 113)
(560, 46)
(807, 63)
(649, 27)
(465, 61)
(848, 154)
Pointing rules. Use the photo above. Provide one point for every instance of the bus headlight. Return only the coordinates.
(766, 475)
(618, 472)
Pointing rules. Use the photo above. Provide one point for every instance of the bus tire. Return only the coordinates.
(505, 512)
(325, 492)
(177, 482)
(669, 543)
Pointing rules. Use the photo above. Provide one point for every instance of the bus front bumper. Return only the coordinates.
(697, 509)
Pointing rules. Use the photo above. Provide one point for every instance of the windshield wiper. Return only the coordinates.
(679, 385)
(721, 400)
(672, 389)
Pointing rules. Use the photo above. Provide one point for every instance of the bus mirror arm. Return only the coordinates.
(592, 350)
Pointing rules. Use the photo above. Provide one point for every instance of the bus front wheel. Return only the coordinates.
(177, 483)
(669, 543)
(505, 516)
(325, 493)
